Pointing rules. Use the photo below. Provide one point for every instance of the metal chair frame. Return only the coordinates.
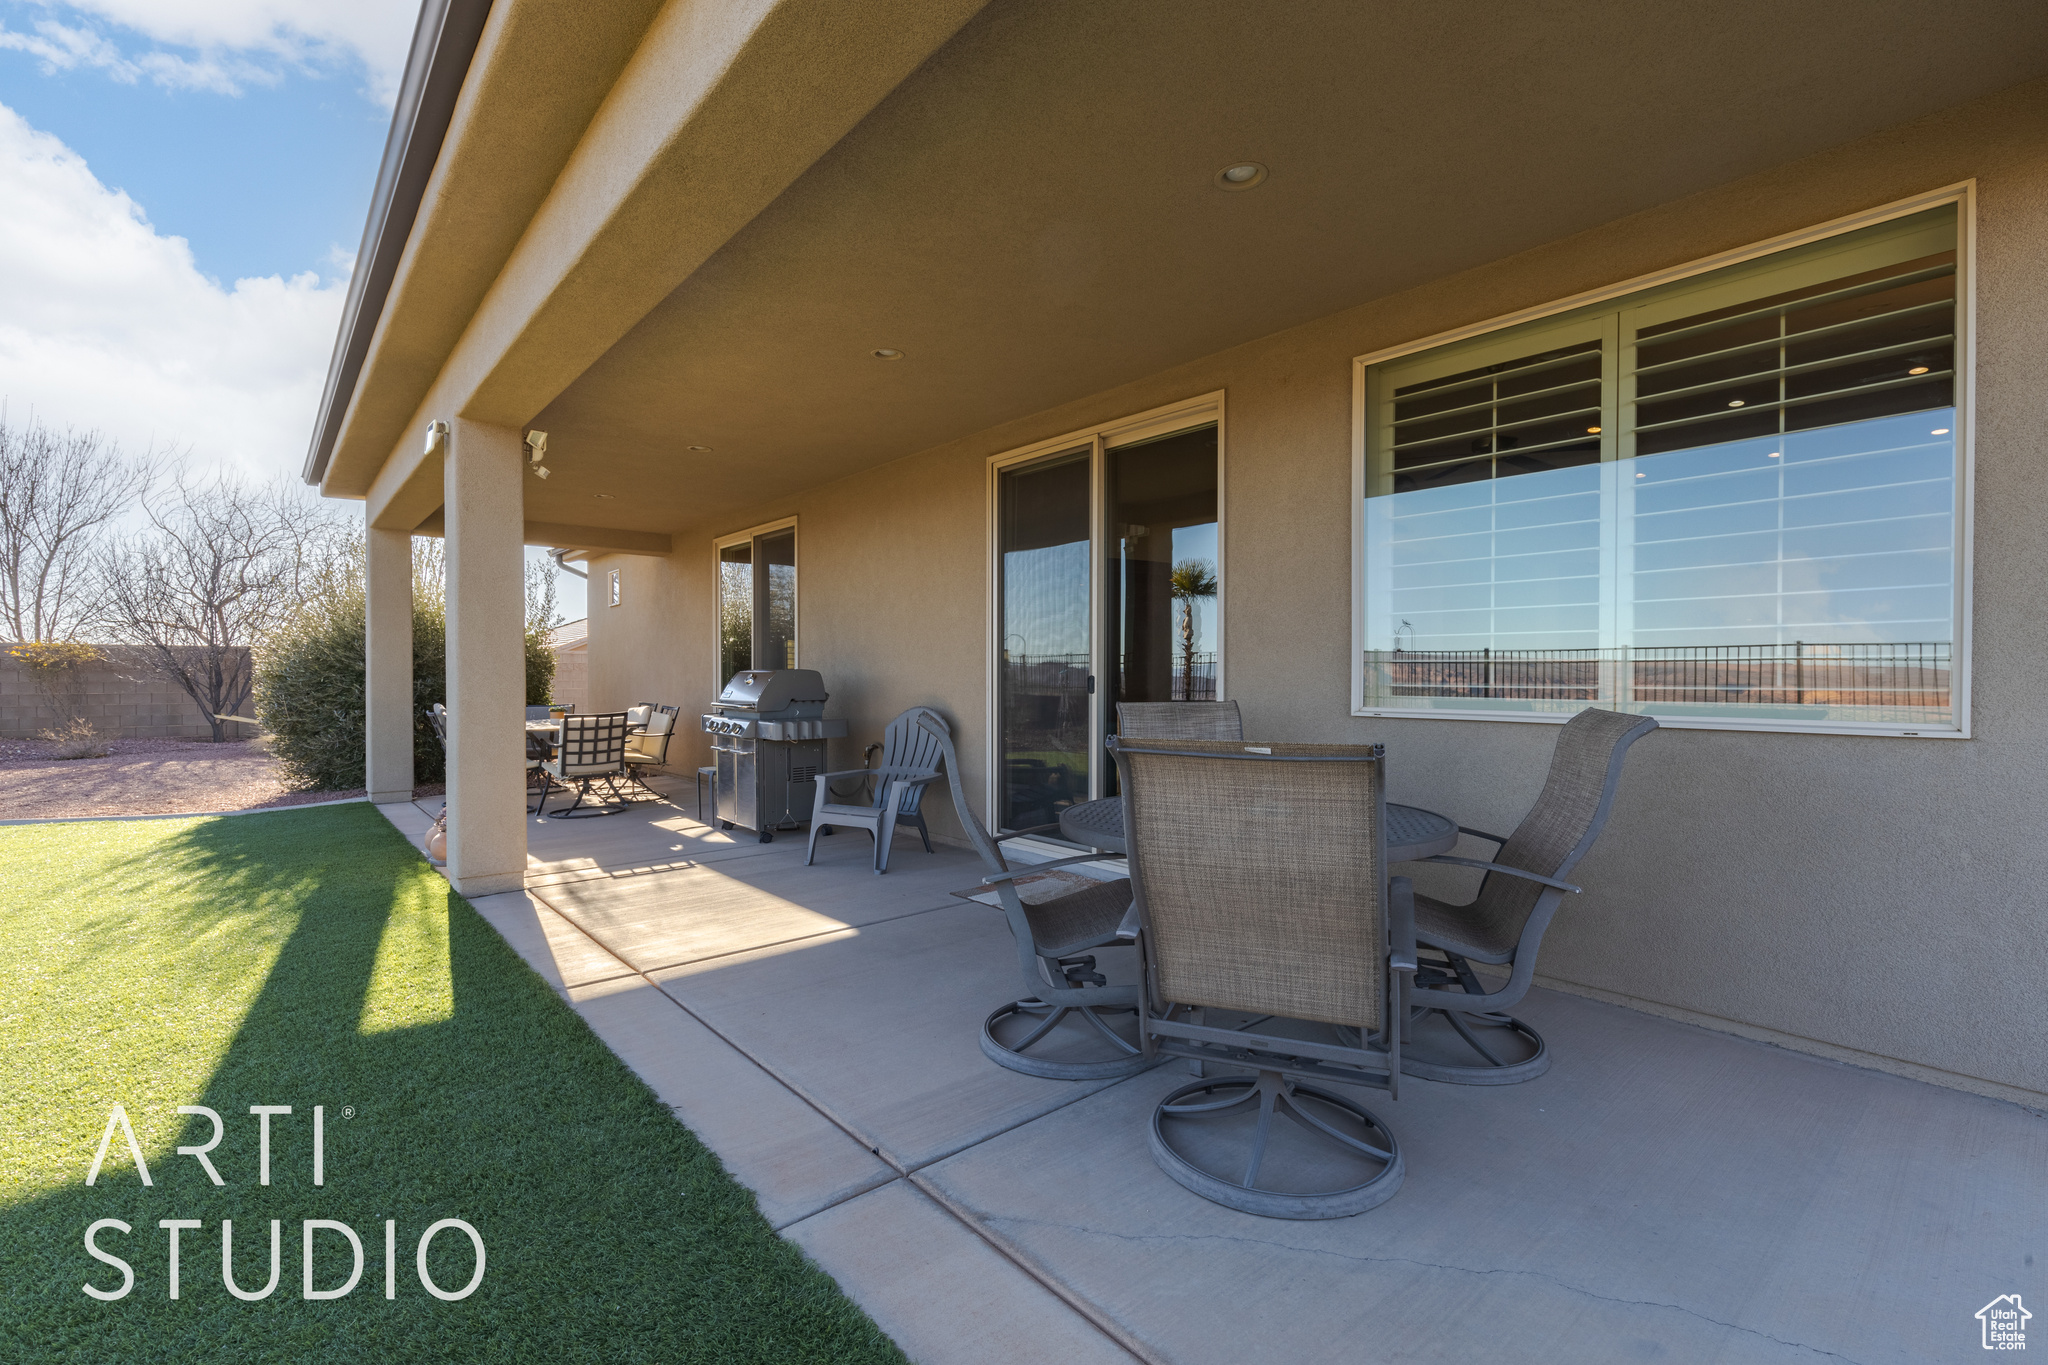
(1286, 1071)
(592, 750)
(1059, 983)
(658, 758)
(1447, 985)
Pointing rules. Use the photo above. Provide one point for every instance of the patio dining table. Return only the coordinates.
(1412, 832)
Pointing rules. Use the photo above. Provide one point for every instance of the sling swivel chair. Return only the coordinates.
(1503, 925)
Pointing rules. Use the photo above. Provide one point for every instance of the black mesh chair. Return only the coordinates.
(1457, 1030)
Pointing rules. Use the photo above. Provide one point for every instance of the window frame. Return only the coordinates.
(1962, 196)
(747, 537)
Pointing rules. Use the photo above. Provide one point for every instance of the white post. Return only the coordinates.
(387, 650)
(485, 526)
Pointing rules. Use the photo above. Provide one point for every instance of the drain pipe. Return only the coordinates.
(563, 565)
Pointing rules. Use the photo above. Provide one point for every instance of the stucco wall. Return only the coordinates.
(1870, 898)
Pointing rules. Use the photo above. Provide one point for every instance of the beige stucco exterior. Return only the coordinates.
(702, 258)
(1874, 899)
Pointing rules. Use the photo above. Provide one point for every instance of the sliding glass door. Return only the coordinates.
(1109, 578)
(1045, 561)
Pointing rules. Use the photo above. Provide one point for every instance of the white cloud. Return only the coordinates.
(108, 324)
(237, 42)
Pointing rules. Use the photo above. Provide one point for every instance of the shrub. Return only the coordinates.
(58, 669)
(310, 676)
(77, 739)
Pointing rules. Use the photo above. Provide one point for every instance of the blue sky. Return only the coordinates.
(186, 183)
(267, 182)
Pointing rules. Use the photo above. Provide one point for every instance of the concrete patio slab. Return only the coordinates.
(663, 919)
(880, 1027)
(564, 955)
(1663, 1193)
(793, 1159)
(942, 1292)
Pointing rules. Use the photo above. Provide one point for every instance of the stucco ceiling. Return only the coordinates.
(1032, 216)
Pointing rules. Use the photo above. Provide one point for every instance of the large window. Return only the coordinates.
(757, 601)
(1732, 499)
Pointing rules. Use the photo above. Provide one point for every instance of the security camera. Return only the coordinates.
(540, 471)
(437, 437)
(536, 446)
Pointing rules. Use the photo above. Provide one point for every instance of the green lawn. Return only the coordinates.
(310, 958)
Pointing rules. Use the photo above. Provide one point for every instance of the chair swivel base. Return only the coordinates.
(1037, 1021)
(1370, 1149)
(1504, 1050)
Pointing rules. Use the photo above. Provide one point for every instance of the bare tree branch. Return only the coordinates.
(221, 565)
(59, 494)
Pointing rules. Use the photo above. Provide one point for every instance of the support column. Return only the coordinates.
(387, 659)
(485, 528)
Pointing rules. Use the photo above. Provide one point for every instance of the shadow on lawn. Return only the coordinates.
(611, 1232)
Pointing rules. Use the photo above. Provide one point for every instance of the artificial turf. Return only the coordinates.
(310, 958)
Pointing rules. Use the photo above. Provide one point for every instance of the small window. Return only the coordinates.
(1730, 498)
(757, 602)
(614, 578)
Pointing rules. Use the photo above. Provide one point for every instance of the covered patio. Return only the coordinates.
(1664, 1192)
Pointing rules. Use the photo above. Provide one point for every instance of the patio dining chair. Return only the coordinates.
(649, 748)
(1503, 924)
(1179, 719)
(1054, 937)
(1266, 914)
(592, 750)
(910, 763)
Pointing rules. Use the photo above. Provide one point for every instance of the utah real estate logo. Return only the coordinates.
(2005, 1323)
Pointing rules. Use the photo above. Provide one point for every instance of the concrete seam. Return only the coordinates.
(1087, 1311)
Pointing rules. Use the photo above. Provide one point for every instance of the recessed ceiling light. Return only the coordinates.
(1918, 369)
(605, 496)
(886, 353)
(700, 449)
(1592, 431)
(1939, 431)
(1736, 402)
(1241, 176)
(1774, 455)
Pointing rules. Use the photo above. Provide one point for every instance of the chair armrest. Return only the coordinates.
(1401, 924)
(911, 778)
(1502, 867)
(1481, 834)
(1036, 868)
(847, 772)
(1020, 833)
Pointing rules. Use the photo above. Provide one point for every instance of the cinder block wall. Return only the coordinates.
(122, 702)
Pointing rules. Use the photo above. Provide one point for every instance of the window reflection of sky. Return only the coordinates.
(1838, 535)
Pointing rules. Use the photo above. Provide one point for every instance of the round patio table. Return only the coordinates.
(1412, 832)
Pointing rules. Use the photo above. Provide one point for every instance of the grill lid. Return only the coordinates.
(774, 689)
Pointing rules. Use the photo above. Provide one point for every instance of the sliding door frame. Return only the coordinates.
(1098, 441)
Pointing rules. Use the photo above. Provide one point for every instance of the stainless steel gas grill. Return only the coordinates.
(768, 733)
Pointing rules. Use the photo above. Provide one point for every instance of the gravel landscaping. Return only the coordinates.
(143, 777)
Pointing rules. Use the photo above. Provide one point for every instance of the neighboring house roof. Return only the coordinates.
(443, 42)
(570, 634)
